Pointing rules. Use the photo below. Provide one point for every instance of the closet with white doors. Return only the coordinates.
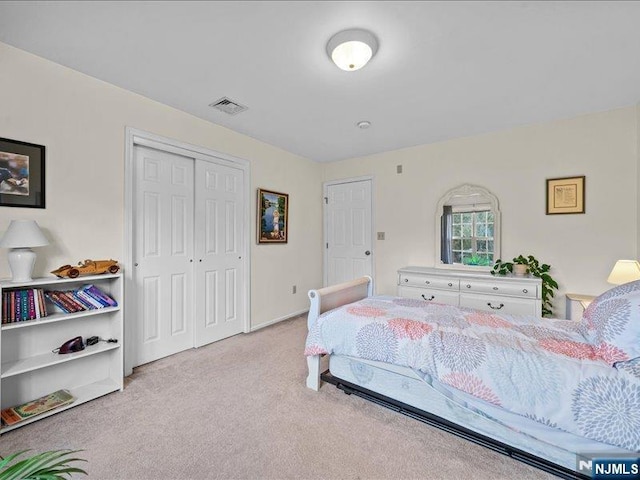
(189, 237)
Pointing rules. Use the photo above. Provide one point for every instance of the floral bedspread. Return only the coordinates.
(543, 369)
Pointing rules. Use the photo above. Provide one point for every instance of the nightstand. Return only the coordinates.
(576, 305)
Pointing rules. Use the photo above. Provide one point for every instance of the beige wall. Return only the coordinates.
(514, 164)
(82, 121)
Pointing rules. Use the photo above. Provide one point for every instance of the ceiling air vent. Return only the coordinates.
(227, 105)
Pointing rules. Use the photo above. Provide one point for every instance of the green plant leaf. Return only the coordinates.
(52, 465)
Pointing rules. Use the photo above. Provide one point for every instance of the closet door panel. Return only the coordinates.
(218, 239)
(163, 254)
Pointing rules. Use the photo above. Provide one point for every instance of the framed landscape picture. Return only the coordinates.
(21, 174)
(565, 195)
(273, 216)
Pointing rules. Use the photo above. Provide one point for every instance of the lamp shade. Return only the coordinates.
(351, 49)
(624, 271)
(23, 234)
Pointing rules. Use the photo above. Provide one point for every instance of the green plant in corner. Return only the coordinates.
(53, 465)
(537, 270)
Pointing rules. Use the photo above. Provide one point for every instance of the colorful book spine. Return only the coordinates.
(31, 303)
(99, 295)
(62, 302)
(43, 305)
(87, 302)
(5, 307)
(18, 304)
(51, 296)
(73, 301)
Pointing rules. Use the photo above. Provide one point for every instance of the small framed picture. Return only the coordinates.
(273, 216)
(565, 195)
(21, 174)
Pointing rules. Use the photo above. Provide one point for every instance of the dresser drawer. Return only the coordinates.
(415, 280)
(498, 288)
(430, 295)
(500, 304)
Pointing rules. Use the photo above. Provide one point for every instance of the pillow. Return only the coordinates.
(611, 323)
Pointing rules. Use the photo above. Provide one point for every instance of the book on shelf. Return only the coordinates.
(99, 295)
(87, 297)
(13, 415)
(22, 304)
(62, 302)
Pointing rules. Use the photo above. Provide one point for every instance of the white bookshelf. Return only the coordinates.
(29, 369)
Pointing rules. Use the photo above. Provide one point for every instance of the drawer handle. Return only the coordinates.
(428, 299)
(468, 286)
(495, 288)
(427, 282)
(406, 279)
(495, 308)
(450, 284)
(525, 290)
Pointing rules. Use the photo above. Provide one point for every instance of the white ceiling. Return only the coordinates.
(443, 69)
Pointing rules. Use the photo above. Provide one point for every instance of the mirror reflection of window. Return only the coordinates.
(468, 221)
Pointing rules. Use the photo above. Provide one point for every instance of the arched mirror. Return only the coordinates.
(467, 228)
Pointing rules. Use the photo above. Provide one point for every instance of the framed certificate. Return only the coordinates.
(565, 195)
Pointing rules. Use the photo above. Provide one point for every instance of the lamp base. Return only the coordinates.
(21, 261)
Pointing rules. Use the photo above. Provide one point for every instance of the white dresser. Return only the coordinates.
(479, 290)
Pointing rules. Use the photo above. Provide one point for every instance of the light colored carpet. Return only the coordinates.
(239, 409)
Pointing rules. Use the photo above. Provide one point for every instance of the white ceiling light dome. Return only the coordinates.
(351, 49)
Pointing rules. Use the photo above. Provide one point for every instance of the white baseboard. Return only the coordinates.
(276, 320)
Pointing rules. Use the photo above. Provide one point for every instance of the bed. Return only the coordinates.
(552, 393)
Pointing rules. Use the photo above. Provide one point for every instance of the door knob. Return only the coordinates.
(367, 252)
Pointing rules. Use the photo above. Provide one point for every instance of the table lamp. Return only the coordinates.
(624, 271)
(20, 237)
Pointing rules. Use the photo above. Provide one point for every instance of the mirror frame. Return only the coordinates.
(467, 190)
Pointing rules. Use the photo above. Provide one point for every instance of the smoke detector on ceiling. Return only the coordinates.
(226, 105)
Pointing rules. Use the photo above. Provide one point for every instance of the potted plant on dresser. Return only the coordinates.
(520, 266)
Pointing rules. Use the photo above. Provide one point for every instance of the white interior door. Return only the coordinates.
(163, 253)
(348, 214)
(219, 241)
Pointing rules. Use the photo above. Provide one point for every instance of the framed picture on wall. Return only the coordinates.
(21, 174)
(565, 195)
(273, 216)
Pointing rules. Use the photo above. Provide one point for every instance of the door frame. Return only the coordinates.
(325, 224)
(133, 137)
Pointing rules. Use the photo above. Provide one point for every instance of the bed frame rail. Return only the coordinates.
(450, 427)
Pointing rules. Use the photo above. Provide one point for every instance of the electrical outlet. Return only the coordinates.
(380, 235)
(399, 169)
(294, 289)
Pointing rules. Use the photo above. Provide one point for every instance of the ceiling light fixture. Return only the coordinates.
(351, 49)
(364, 124)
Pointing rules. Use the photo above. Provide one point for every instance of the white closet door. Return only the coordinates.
(219, 238)
(163, 254)
(348, 216)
